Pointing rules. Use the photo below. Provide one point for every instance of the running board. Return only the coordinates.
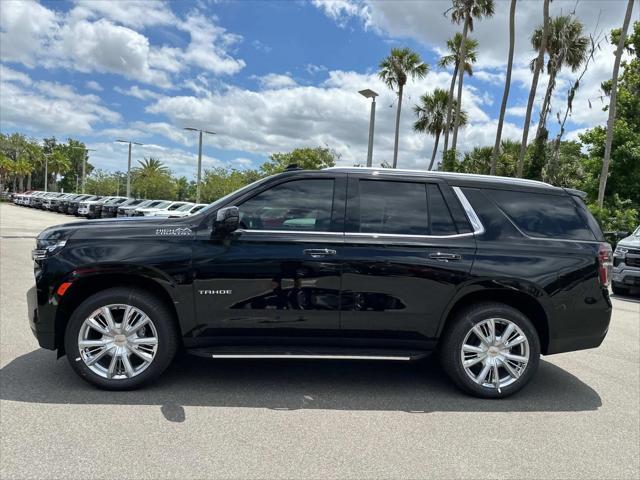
(306, 353)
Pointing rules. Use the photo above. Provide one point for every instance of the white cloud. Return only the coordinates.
(137, 92)
(343, 10)
(100, 36)
(132, 13)
(49, 106)
(314, 69)
(93, 85)
(209, 44)
(333, 114)
(9, 75)
(26, 28)
(274, 81)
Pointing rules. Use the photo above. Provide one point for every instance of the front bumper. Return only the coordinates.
(42, 330)
(625, 275)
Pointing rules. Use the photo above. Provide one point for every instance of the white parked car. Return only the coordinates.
(166, 205)
(183, 211)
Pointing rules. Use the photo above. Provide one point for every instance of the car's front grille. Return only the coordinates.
(632, 261)
(92, 208)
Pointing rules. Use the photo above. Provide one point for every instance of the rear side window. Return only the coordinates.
(393, 207)
(441, 220)
(540, 215)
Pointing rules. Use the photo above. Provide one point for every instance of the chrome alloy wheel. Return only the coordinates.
(117, 341)
(495, 353)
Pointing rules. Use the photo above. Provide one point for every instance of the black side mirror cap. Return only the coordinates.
(227, 220)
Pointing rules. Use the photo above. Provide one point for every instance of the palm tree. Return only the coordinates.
(507, 85)
(150, 166)
(6, 170)
(567, 46)
(537, 67)
(395, 70)
(431, 113)
(612, 105)
(21, 168)
(453, 58)
(465, 11)
(58, 163)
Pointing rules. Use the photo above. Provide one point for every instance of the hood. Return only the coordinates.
(632, 241)
(123, 227)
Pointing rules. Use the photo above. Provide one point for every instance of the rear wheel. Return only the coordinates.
(491, 350)
(119, 339)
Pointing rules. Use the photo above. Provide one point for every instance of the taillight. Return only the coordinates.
(605, 263)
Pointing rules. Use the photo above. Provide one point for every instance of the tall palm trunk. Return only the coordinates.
(534, 87)
(612, 106)
(29, 181)
(507, 85)
(450, 109)
(435, 150)
(21, 183)
(395, 145)
(463, 54)
(546, 103)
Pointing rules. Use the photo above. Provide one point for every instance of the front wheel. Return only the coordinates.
(119, 339)
(490, 350)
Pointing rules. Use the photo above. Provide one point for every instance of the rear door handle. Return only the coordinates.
(319, 252)
(445, 257)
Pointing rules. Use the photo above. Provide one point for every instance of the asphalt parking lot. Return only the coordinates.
(579, 418)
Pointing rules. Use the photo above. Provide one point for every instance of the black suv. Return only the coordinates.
(342, 263)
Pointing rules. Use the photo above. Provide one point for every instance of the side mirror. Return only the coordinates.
(227, 220)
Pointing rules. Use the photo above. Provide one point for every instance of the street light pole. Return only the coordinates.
(199, 177)
(372, 120)
(46, 171)
(130, 142)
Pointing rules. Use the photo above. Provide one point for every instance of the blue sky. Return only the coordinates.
(266, 76)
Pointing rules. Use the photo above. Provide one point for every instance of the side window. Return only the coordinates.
(294, 205)
(441, 221)
(540, 215)
(393, 207)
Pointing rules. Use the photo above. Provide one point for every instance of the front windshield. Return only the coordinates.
(637, 232)
(185, 208)
(160, 205)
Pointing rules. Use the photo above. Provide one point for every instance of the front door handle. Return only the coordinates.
(445, 257)
(319, 252)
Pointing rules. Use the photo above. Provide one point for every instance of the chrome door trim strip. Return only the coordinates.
(478, 228)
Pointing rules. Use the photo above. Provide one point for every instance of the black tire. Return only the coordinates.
(451, 345)
(620, 290)
(154, 308)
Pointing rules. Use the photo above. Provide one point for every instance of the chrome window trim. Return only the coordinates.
(305, 232)
(478, 228)
(407, 235)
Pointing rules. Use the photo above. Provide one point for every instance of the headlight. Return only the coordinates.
(47, 247)
(620, 251)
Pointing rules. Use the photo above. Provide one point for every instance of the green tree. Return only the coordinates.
(395, 70)
(185, 190)
(306, 158)
(613, 91)
(465, 11)
(101, 182)
(218, 182)
(431, 113)
(624, 168)
(453, 58)
(567, 46)
(6, 170)
(152, 179)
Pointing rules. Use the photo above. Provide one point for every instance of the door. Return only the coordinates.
(278, 277)
(404, 257)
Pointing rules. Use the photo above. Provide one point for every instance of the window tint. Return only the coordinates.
(393, 207)
(441, 220)
(295, 205)
(539, 215)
